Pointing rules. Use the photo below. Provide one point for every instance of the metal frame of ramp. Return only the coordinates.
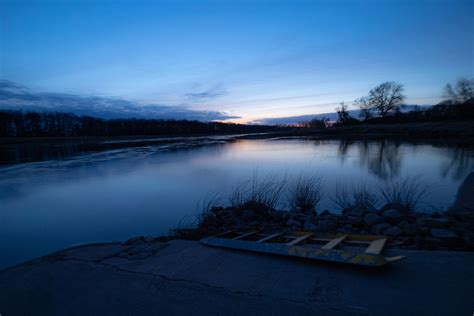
(336, 248)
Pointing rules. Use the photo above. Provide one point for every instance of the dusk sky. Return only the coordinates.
(247, 59)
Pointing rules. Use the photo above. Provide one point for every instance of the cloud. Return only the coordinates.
(292, 120)
(212, 93)
(16, 97)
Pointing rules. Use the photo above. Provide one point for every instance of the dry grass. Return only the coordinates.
(257, 194)
(352, 196)
(304, 193)
(408, 192)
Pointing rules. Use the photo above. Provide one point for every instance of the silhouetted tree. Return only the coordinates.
(316, 123)
(365, 108)
(461, 93)
(342, 113)
(386, 98)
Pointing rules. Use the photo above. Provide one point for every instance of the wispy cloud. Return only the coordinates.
(208, 94)
(16, 97)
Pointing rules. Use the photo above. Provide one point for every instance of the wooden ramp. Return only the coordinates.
(353, 249)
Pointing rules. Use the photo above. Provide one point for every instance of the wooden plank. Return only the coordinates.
(333, 243)
(224, 233)
(269, 237)
(392, 259)
(244, 235)
(376, 246)
(355, 242)
(300, 239)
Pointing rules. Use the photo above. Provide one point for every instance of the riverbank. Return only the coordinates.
(144, 276)
(450, 230)
(461, 131)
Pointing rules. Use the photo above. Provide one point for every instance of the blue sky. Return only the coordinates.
(251, 59)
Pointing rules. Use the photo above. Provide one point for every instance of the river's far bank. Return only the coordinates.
(458, 131)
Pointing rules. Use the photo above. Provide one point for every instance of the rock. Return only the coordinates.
(312, 218)
(346, 211)
(293, 223)
(310, 226)
(354, 220)
(372, 219)
(278, 215)
(393, 231)
(392, 216)
(371, 209)
(300, 217)
(439, 222)
(326, 225)
(396, 206)
(408, 228)
(248, 215)
(255, 224)
(358, 211)
(377, 229)
(443, 234)
(325, 213)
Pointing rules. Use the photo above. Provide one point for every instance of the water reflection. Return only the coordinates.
(384, 159)
(459, 161)
(381, 158)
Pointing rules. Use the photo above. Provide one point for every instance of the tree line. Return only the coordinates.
(56, 124)
(383, 105)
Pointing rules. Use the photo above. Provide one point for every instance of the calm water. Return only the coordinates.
(115, 195)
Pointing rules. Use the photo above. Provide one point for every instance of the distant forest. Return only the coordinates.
(54, 124)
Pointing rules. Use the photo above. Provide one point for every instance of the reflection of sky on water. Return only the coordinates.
(117, 194)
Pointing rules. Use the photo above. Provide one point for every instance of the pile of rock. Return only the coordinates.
(414, 230)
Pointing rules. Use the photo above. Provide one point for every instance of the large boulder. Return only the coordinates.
(371, 219)
(377, 229)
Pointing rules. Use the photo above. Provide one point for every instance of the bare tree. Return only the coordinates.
(386, 98)
(461, 93)
(365, 108)
(343, 114)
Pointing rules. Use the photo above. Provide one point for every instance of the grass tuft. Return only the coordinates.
(304, 193)
(257, 195)
(408, 192)
(353, 196)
